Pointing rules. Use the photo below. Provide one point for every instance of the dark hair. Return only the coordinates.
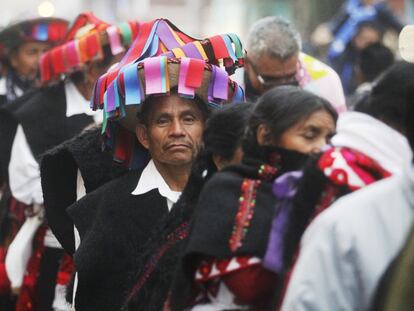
(281, 108)
(370, 24)
(146, 107)
(374, 59)
(389, 100)
(225, 129)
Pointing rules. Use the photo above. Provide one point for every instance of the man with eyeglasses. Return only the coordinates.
(274, 58)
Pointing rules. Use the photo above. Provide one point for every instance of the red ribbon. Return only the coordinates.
(45, 69)
(83, 50)
(72, 55)
(219, 47)
(58, 63)
(195, 73)
(94, 47)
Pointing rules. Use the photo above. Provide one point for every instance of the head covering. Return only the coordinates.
(161, 58)
(49, 30)
(84, 43)
(406, 43)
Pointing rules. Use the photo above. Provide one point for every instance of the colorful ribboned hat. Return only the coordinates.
(51, 30)
(162, 58)
(85, 43)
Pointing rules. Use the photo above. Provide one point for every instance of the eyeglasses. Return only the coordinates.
(269, 82)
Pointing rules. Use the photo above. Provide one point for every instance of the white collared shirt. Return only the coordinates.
(77, 104)
(24, 170)
(151, 179)
(3, 88)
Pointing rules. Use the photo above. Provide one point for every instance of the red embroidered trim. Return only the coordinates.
(366, 169)
(267, 172)
(27, 296)
(213, 267)
(244, 215)
(66, 269)
(178, 234)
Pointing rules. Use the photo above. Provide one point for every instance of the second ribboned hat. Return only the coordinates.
(84, 43)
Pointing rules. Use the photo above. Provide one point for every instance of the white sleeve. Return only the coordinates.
(323, 278)
(24, 172)
(20, 250)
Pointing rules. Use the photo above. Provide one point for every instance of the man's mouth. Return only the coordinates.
(177, 146)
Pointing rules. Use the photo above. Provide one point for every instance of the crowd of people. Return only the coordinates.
(145, 169)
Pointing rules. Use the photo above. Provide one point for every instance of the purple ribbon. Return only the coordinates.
(191, 51)
(221, 84)
(166, 36)
(110, 92)
(284, 189)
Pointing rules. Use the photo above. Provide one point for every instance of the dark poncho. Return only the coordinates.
(113, 225)
(59, 169)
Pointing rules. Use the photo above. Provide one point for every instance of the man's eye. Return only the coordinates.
(162, 121)
(31, 52)
(189, 119)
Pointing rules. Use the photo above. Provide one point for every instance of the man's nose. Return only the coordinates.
(176, 128)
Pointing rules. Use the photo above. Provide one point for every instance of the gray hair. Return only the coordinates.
(274, 36)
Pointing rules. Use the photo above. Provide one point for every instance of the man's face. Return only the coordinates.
(174, 130)
(267, 72)
(25, 59)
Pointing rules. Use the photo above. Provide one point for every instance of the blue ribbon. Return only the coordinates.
(42, 32)
(229, 46)
(133, 92)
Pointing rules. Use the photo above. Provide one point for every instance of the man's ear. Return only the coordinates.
(262, 135)
(142, 135)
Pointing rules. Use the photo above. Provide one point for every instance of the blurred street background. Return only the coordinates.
(199, 17)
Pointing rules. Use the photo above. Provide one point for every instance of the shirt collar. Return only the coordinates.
(77, 104)
(151, 179)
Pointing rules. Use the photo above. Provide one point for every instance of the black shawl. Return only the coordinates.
(113, 226)
(59, 168)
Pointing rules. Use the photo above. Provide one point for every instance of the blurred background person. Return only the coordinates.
(274, 58)
(52, 114)
(21, 45)
(372, 62)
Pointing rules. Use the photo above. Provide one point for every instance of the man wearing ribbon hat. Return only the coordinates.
(275, 58)
(155, 102)
(50, 116)
(21, 45)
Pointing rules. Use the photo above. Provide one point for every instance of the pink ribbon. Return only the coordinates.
(183, 89)
(153, 78)
(114, 40)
